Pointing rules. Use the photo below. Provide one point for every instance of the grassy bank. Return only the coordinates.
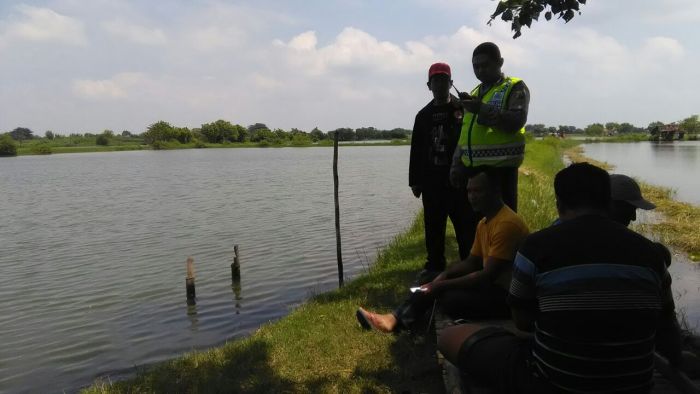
(678, 226)
(629, 137)
(319, 346)
(24, 151)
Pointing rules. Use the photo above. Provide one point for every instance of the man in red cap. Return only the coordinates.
(435, 133)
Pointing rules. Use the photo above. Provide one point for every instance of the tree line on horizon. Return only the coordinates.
(690, 125)
(161, 134)
(218, 132)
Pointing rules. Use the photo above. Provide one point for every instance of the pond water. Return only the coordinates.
(94, 248)
(671, 164)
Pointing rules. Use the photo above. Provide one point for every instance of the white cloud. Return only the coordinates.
(304, 42)
(117, 87)
(221, 26)
(134, 33)
(354, 48)
(43, 25)
(664, 47)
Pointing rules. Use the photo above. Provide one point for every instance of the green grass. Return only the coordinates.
(25, 150)
(319, 347)
(535, 182)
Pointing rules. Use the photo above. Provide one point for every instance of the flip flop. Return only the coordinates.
(362, 319)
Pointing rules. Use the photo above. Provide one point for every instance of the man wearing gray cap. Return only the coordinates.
(626, 198)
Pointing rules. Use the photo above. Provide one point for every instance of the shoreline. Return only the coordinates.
(27, 151)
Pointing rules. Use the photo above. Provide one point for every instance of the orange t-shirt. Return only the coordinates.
(500, 237)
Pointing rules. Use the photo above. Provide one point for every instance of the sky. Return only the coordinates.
(76, 66)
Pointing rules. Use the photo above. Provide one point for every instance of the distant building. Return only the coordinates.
(667, 132)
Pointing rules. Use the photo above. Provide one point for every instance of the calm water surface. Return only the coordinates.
(94, 249)
(670, 164)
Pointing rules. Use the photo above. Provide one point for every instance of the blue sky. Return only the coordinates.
(85, 66)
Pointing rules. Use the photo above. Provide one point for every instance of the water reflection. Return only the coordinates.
(192, 315)
(236, 287)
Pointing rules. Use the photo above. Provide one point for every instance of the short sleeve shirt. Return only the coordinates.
(500, 237)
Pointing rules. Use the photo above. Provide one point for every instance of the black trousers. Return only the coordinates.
(440, 201)
(509, 186)
(484, 302)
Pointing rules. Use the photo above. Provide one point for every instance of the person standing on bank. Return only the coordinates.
(435, 134)
(493, 128)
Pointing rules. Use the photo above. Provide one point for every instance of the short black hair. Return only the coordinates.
(493, 175)
(583, 185)
(488, 48)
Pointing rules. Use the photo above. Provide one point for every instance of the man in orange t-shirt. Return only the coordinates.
(474, 288)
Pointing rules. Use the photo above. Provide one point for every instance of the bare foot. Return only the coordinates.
(383, 323)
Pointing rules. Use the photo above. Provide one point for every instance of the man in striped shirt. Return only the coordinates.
(596, 294)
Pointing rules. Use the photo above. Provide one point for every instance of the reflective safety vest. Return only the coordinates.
(485, 146)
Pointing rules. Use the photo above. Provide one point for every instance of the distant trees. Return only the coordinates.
(317, 135)
(654, 125)
(8, 146)
(594, 130)
(540, 129)
(163, 135)
(690, 125)
(221, 131)
(21, 134)
(161, 131)
(264, 134)
(104, 138)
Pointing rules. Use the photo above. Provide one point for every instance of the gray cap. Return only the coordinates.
(624, 188)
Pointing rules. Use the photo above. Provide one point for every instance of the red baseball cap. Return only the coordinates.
(439, 68)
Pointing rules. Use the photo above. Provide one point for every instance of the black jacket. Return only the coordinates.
(420, 167)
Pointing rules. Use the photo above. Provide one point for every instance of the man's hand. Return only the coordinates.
(417, 190)
(441, 277)
(437, 284)
(469, 103)
(458, 175)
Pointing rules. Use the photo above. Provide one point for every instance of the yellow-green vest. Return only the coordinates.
(485, 146)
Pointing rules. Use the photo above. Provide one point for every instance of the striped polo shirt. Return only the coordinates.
(596, 290)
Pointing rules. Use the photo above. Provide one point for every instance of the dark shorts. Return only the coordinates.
(496, 358)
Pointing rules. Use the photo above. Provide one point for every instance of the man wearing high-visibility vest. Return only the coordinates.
(493, 133)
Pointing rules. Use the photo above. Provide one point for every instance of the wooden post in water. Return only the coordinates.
(235, 266)
(337, 209)
(189, 281)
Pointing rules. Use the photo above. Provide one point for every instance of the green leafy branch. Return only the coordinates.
(523, 12)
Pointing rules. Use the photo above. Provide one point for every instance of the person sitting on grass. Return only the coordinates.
(473, 288)
(596, 294)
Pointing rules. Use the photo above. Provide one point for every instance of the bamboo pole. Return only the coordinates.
(337, 209)
(235, 266)
(189, 281)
